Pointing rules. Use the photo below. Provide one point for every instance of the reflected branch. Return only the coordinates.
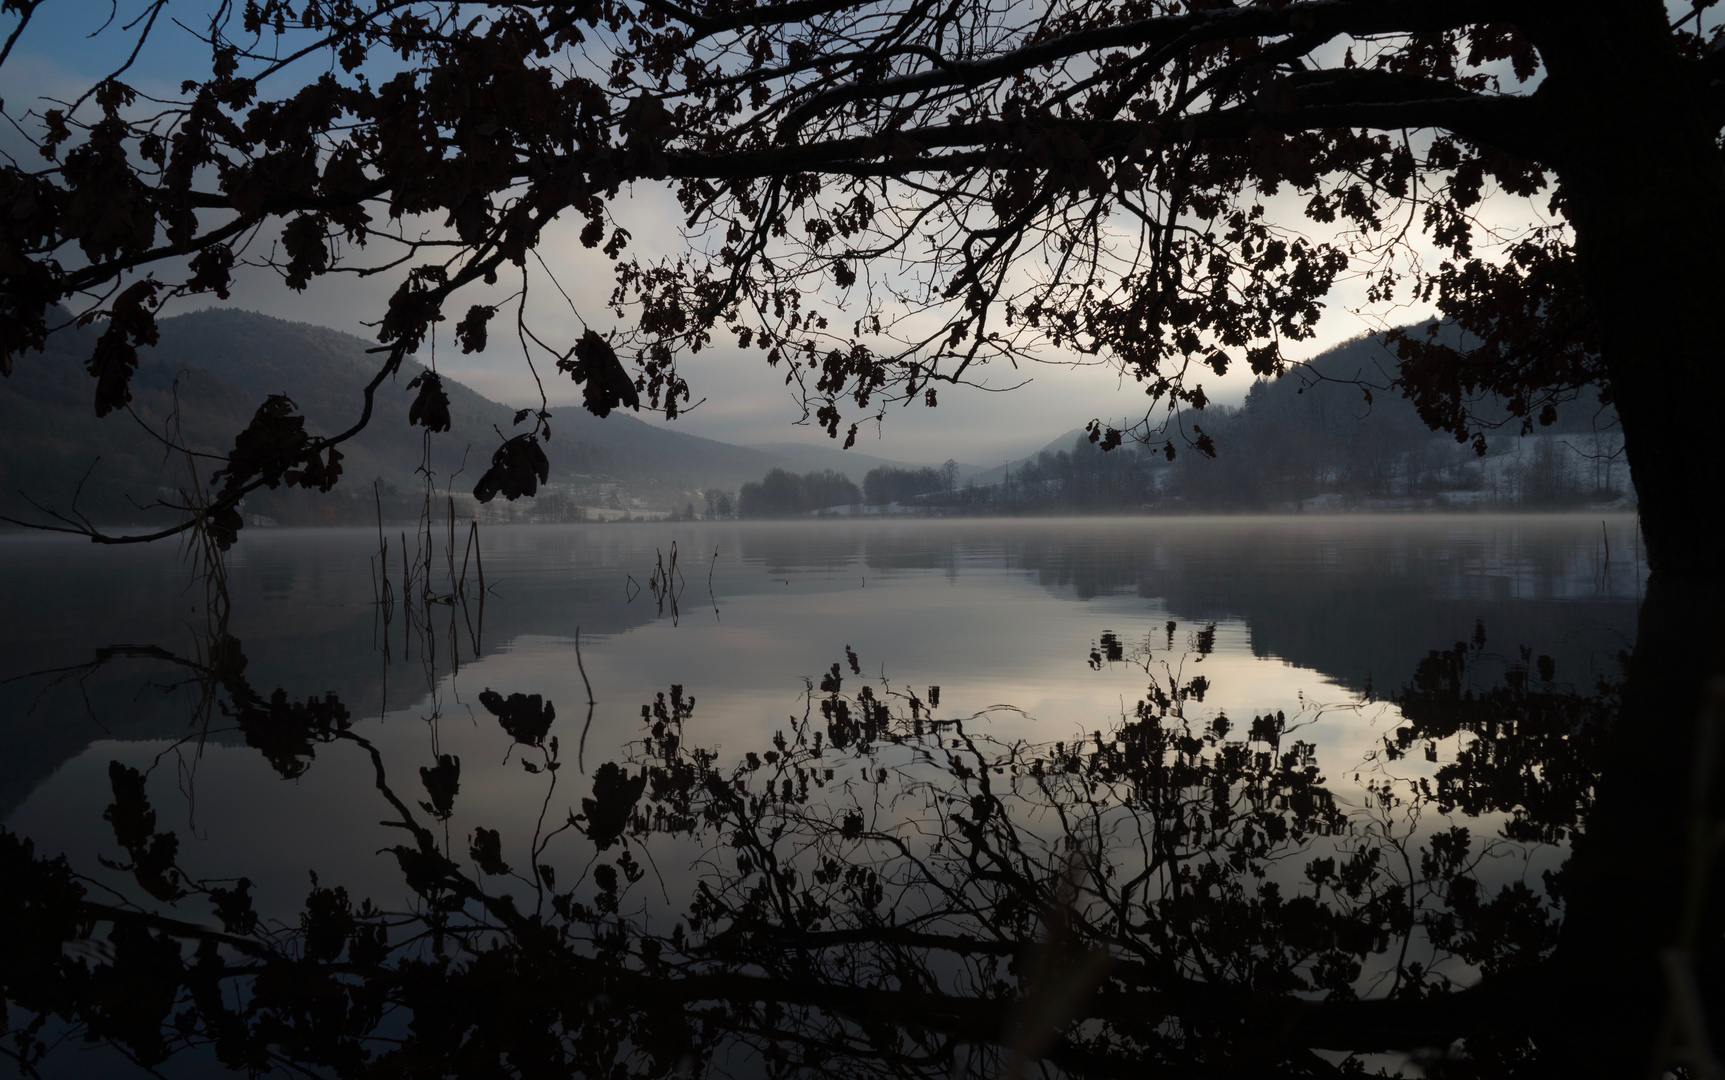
(882, 890)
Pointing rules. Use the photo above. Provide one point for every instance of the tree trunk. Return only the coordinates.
(1625, 884)
(1643, 184)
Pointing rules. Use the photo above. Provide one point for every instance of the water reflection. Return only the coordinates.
(883, 888)
(1357, 603)
(1229, 873)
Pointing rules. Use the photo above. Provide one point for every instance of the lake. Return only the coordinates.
(894, 798)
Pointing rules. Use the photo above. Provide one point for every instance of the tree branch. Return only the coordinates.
(1325, 17)
(1328, 100)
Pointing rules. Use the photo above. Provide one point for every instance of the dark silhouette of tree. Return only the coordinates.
(887, 484)
(1083, 478)
(720, 504)
(885, 890)
(786, 494)
(882, 198)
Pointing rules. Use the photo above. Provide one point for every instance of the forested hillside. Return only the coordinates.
(1317, 440)
(1307, 441)
(213, 368)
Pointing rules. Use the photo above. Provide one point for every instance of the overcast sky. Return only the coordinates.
(745, 401)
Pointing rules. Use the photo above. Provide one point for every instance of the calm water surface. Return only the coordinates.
(929, 656)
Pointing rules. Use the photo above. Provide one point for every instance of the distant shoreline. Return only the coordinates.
(1196, 516)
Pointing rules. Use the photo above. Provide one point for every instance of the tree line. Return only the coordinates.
(782, 493)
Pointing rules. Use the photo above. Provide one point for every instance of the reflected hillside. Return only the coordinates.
(303, 609)
(1363, 602)
(1355, 602)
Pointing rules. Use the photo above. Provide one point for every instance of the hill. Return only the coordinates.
(1289, 444)
(1312, 440)
(212, 368)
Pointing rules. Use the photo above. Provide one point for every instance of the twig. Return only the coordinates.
(382, 545)
(710, 595)
(406, 594)
(479, 564)
(581, 748)
(472, 534)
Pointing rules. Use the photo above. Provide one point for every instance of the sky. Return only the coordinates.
(741, 400)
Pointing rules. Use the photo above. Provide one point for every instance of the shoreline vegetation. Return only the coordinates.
(1303, 443)
(818, 520)
(1294, 446)
(1542, 474)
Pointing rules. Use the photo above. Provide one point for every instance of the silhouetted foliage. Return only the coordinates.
(605, 384)
(275, 448)
(526, 717)
(610, 810)
(443, 783)
(1189, 181)
(287, 732)
(431, 407)
(878, 889)
(518, 467)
